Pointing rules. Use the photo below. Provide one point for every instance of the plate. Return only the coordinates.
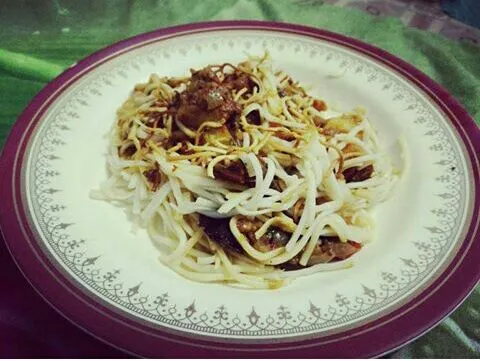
(82, 256)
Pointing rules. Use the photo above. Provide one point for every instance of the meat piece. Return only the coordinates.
(331, 249)
(128, 151)
(272, 239)
(292, 265)
(203, 102)
(209, 98)
(214, 98)
(285, 136)
(239, 80)
(191, 115)
(177, 136)
(319, 256)
(250, 182)
(319, 105)
(204, 75)
(291, 170)
(205, 99)
(321, 199)
(218, 230)
(341, 250)
(234, 172)
(254, 117)
(278, 184)
(174, 103)
(154, 177)
(319, 121)
(357, 174)
(229, 110)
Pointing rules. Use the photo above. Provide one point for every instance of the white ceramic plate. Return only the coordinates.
(71, 246)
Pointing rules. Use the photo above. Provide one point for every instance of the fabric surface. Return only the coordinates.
(37, 42)
(449, 18)
(467, 11)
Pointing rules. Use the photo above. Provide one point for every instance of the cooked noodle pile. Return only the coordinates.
(241, 177)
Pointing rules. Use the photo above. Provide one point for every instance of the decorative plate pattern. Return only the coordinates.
(63, 161)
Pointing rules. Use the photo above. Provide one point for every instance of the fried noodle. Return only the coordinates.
(241, 177)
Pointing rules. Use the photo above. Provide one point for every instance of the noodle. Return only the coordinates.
(241, 178)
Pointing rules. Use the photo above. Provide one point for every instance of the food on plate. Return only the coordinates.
(240, 176)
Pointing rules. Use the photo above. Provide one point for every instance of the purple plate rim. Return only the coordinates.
(413, 319)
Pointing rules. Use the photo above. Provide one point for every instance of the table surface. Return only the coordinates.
(54, 34)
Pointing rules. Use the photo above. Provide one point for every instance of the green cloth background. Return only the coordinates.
(38, 39)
